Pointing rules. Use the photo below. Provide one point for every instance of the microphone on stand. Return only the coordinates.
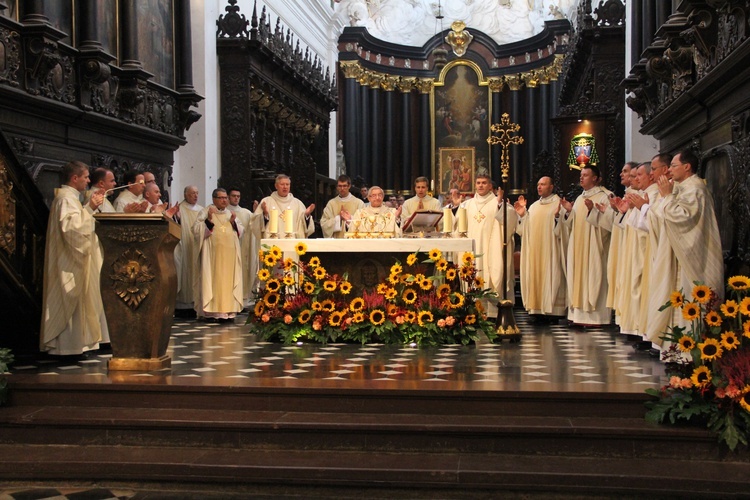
(108, 191)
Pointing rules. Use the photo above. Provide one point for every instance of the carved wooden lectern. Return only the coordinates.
(139, 287)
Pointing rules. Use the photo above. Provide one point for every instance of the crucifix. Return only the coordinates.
(505, 131)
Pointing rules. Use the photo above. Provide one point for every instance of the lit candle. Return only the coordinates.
(447, 220)
(432, 185)
(463, 222)
(288, 221)
(273, 221)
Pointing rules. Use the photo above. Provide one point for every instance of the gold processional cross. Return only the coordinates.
(504, 138)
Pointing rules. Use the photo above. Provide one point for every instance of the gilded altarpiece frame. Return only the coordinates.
(461, 109)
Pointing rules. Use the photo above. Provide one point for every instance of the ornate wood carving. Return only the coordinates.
(7, 211)
(132, 276)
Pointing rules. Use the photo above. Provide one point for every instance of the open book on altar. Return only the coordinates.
(425, 220)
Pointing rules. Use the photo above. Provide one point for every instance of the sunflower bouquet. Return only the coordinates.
(425, 300)
(709, 363)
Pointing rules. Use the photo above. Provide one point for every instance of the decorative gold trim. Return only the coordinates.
(7, 211)
(505, 130)
(530, 79)
(351, 69)
(131, 277)
(513, 81)
(425, 85)
(461, 62)
(496, 84)
(406, 85)
(459, 39)
(389, 83)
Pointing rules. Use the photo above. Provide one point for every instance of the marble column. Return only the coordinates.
(406, 85)
(425, 129)
(351, 72)
(375, 138)
(389, 123)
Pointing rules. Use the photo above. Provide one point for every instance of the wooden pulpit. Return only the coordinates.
(139, 287)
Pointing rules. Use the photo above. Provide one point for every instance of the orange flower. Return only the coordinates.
(730, 308)
(713, 318)
(701, 293)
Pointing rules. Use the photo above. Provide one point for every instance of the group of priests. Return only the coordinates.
(581, 259)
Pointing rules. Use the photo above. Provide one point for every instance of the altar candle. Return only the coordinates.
(288, 221)
(432, 185)
(447, 220)
(273, 221)
(463, 222)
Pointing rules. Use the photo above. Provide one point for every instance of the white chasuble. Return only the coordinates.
(302, 227)
(331, 223)
(72, 312)
(186, 256)
(221, 288)
(587, 252)
(249, 248)
(542, 275)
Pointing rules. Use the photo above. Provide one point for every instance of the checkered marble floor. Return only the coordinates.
(548, 357)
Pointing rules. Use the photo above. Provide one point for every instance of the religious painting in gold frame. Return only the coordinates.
(457, 169)
(461, 112)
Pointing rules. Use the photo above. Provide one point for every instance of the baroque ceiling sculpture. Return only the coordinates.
(413, 22)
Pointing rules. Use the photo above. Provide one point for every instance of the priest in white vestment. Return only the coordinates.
(130, 198)
(220, 286)
(376, 217)
(249, 243)
(101, 179)
(339, 211)
(421, 202)
(281, 201)
(73, 320)
(587, 252)
(484, 213)
(542, 274)
(685, 223)
(186, 253)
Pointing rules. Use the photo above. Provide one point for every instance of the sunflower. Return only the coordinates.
(390, 294)
(319, 273)
(426, 284)
(701, 376)
(676, 299)
(710, 349)
(713, 318)
(425, 317)
(358, 317)
(327, 305)
(316, 306)
(691, 311)
(276, 252)
(335, 318)
(259, 308)
(441, 265)
(396, 268)
(466, 272)
(406, 278)
(410, 316)
(745, 398)
(273, 285)
(289, 280)
(269, 260)
(730, 309)
(701, 293)
(471, 319)
(287, 264)
(745, 306)
(729, 340)
(329, 285)
(739, 283)
(300, 248)
(304, 316)
(455, 300)
(411, 259)
(271, 299)
(443, 290)
(409, 296)
(393, 279)
(391, 309)
(313, 262)
(377, 317)
(308, 287)
(450, 274)
(435, 254)
(467, 259)
(345, 287)
(746, 328)
(357, 304)
(261, 254)
(479, 282)
(382, 288)
(686, 343)
(264, 274)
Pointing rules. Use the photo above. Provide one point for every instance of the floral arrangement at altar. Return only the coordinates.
(300, 300)
(709, 363)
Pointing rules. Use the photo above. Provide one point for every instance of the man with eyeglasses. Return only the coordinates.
(338, 212)
(688, 245)
(220, 288)
(376, 218)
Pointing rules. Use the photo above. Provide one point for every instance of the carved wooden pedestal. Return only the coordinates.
(139, 286)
